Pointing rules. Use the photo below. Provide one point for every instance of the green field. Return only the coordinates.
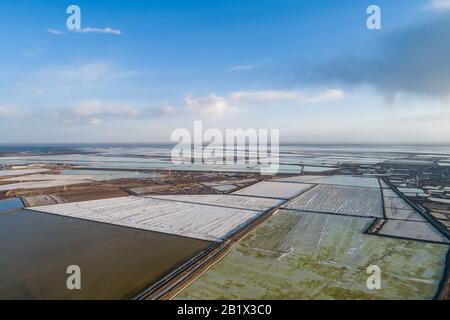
(298, 255)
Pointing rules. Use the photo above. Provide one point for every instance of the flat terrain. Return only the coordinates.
(397, 208)
(8, 173)
(358, 201)
(40, 184)
(229, 201)
(412, 230)
(128, 216)
(68, 182)
(334, 180)
(404, 221)
(93, 195)
(116, 262)
(300, 255)
(200, 217)
(272, 189)
(43, 200)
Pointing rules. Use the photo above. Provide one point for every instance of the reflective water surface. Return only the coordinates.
(116, 262)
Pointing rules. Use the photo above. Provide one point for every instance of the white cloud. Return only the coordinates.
(55, 32)
(216, 106)
(38, 92)
(12, 112)
(165, 110)
(92, 112)
(107, 30)
(99, 108)
(5, 112)
(95, 112)
(288, 95)
(326, 95)
(162, 110)
(439, 5)
(77, 74)
(94, 121)
(242, 67)
(212, 105)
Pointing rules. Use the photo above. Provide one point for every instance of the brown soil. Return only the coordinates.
(173, 182)
(94, 195)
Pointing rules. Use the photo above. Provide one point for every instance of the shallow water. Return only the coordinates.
(116, 262)
(114, 174)
(10, 204)
(158, 157)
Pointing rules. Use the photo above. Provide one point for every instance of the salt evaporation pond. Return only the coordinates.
(304, 255)
(114, 174)
(116, 262)
(10, 204)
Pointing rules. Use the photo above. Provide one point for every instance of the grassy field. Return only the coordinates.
(320, 256)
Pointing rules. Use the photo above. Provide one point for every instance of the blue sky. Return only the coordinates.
(140, 69)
